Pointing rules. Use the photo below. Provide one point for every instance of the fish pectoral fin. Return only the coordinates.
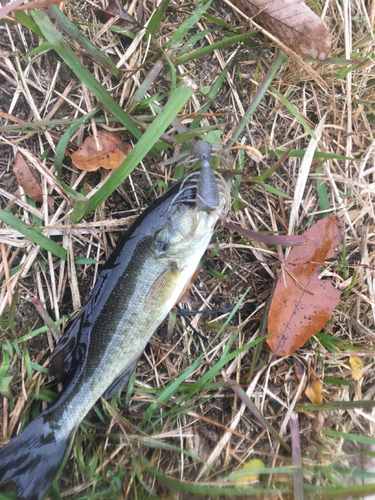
(119, 383)
(163, 286)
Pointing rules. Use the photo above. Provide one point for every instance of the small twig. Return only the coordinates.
(46, 318)
(6, 271)
(296, 456)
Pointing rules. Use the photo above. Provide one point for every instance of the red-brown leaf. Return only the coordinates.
(38, 4)
(29, 180)
(114, 9)
(293, 23)
(4, 11)
(302, 303)
(114, 151)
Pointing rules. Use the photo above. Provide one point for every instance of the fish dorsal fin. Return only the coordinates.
(163, 287)
(70, 350)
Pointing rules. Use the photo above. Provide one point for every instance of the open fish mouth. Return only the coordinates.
(212, 188)
(193, 181)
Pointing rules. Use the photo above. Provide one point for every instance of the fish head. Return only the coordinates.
(188, 226)
(182, 239)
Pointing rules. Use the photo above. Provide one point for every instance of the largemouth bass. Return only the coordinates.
(139, 285)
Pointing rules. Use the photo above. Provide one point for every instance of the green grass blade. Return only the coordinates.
(87, 44)
(294, 111)
(12, 310)
(337, 381)
(263, 470)
(210, 489)
(145, 144)
(157, 18)
(258, 96)
(146, 84)
(339, 406)
(219, 22)
(322, 194)
(188, 23)
(193, 40)
(274, 190)
(203, 51)
(211, 94)
(33, 235)
(26, 20)
(40, 330)
(300, 153)
(256, 412)
(168, 391)
(350, 437)
(60, 46)
(350, 492)
(38, 50)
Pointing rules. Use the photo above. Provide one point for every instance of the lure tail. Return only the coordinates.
(32, 459)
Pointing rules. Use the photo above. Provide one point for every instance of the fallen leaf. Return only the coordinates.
(112, 154)
(293, 23)
(38, 4)
(302, 303)
(29, 180)
(254, 463)
(314, 391)
(9, 7)
(114, 9)
(357, 364)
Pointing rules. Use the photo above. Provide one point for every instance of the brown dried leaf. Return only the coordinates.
(302, 303)
(314, 391)
(293, 23)
(110, 157)
(114, 9)
(39, 4)
(29, 180)
(4, 11)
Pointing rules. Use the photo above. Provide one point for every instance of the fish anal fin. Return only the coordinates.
(164, 286)
(120, 382)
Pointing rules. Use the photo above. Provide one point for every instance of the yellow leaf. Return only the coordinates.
(357, 364)
(255, 463)
(357, 374)
(314, 392)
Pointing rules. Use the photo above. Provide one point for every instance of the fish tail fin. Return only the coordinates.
(32, 459)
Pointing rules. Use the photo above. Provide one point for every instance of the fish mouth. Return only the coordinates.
(190, 192)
